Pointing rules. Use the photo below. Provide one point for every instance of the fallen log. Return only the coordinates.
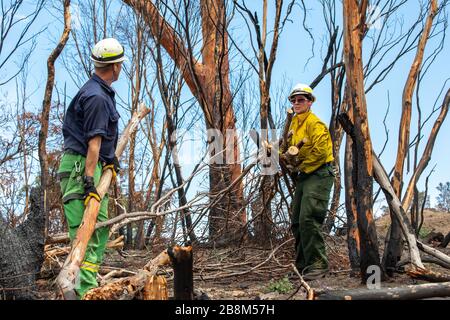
(70, 270)
(426, 259)
(428, 275)
(434, 252)
(411, 292)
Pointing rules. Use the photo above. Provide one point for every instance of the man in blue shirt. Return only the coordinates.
(90, 133)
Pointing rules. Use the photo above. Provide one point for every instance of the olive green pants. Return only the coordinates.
(71, 172)
(309, 210)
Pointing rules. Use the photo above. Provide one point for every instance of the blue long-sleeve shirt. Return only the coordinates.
(92, 112)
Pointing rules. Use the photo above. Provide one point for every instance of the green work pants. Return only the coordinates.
(309, 210)
(71, 172)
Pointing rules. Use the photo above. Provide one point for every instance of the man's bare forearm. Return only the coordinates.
(92, 155)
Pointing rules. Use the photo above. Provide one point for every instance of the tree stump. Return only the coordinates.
(182, 263)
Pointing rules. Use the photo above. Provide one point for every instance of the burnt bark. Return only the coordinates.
(394, 203)
(22, 253)
(261, 211)
(354, 22)
(350, 206)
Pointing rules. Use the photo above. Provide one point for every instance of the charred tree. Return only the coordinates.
(182, 263)
(353, 241)
(22, 253)
(392, 200)
(354, 27)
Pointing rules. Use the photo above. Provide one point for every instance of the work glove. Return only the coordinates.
(114, 166)
(89, 190)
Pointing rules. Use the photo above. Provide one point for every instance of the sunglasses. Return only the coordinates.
(298, 100)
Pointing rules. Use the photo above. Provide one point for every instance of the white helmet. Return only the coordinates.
(303, 89)
(107, 51)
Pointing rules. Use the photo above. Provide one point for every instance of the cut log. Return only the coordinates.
(422, 291)
(182, 263)
(128, 288)
(290, 157)
(70, 270)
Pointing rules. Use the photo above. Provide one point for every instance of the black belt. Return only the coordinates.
(325, 165)
(70, 151)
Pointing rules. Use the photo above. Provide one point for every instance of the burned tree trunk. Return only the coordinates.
(392, 200)
(22, 253)
(354, 22)
(183, 277)
(353, 240)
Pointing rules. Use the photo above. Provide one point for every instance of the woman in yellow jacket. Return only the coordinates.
(313, 184)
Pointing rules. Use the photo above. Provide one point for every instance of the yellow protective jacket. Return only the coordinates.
(318, 148)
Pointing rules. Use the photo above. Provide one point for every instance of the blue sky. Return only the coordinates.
(293, 53)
